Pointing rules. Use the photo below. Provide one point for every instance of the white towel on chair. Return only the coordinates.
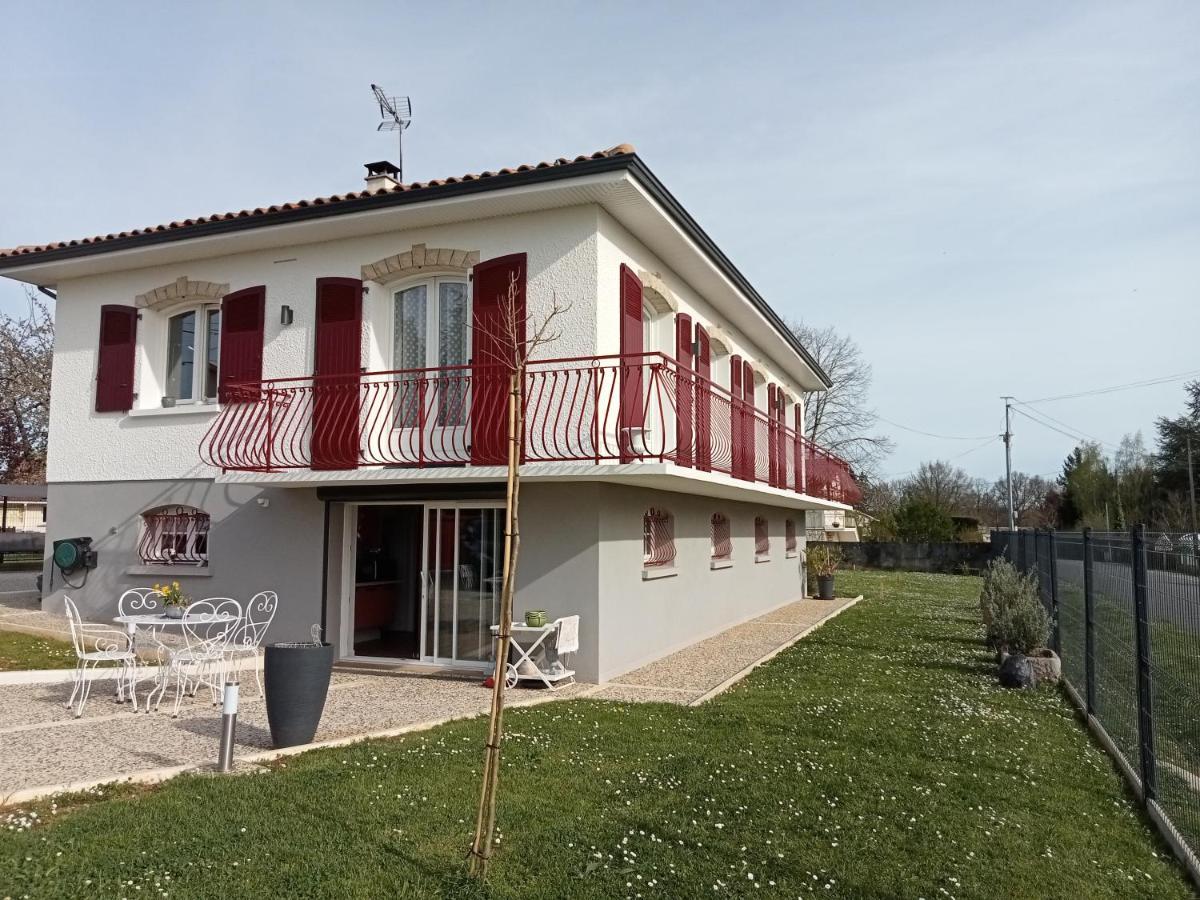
(568, 635)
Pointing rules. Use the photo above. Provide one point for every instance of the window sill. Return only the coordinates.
(791, 554)
(762, 559)
(182, 571)
(720, 563)
(659, 572)
(191, 409)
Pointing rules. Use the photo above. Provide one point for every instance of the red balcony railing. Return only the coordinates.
(604, 410)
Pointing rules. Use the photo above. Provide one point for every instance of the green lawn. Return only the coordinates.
(22, 651)
(877, 758)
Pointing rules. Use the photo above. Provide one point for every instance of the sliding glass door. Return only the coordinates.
(463, 563)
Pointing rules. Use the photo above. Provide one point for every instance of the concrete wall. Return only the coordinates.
(916, 557)
(251, 547)
(642, 620)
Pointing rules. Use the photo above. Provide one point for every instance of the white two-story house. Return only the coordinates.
(309, 398)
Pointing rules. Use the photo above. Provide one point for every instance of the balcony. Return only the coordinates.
(599, 410)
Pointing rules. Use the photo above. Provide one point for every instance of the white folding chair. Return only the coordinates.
(247, 639)
(566, 642)
(208, 625)
(95, 644)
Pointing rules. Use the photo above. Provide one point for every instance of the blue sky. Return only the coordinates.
(992, 198)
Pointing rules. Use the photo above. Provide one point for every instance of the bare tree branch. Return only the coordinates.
(26, 353)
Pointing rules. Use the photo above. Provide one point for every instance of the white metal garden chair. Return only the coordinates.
(246, 643)
(95, 644)
(208, 626)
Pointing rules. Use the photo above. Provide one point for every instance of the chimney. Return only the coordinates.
(381, 176)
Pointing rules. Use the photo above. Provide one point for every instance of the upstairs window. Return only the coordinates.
(193, 354)
(722, 541)
(762, 540)
(658, 539)
(789, 537)
(174, 536)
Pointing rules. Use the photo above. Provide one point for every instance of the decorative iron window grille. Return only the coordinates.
(722, 542)
(174, 535)
(658, 538)
(762, 540)
(789, 535)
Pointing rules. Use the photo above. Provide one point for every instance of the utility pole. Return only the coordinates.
(1012, 519)
(1191, 484)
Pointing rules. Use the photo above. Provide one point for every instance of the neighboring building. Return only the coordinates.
(22, 507)
(310, 398)
(835, 525)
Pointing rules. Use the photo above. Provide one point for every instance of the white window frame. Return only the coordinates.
(202, 311)
(432, 281)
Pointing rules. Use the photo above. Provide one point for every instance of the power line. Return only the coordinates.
(943, 437)
(989, 440)
(1046, 415)
(1149, 382)
(1075, 436)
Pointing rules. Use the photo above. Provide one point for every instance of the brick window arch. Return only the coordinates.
(658, 539)
(174, 536)
(762, 539)
(722, 540)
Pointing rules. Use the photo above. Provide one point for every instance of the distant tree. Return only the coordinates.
(1088, 489)
(840, 418)
(1170, 472)
(26, 350)
(920, 520)
(1030, 493)
(1133, 474)
(941, 485)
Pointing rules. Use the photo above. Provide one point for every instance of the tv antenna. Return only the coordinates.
(396, 115)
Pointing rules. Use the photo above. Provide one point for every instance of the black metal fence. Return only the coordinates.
(1126, 609)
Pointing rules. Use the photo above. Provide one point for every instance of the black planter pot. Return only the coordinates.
(296, 679)
(824, 587)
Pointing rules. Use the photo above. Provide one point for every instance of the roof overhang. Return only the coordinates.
(623, 185)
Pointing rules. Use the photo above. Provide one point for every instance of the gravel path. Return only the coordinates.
(687, 676)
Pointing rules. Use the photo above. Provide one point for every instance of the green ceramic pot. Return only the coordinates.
(535, 618)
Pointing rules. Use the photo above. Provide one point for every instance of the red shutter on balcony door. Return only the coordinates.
(703, 401)
(492, 352)
(337, 370)
(798, 462)
(772, 437)
(750, 421)
(242, 316)
(684, 390)
(633, 410)
(115, 358)
(737, 431)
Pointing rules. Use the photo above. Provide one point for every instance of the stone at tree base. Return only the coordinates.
(1017, 671)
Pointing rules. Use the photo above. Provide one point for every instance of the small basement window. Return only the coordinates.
(722, 542)
(789, 538)
(174, 536)
(762, 540)
(658, 543)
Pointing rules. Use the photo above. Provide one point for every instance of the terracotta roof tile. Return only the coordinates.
(34, 249)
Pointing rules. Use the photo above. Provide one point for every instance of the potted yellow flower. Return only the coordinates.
(174, 600)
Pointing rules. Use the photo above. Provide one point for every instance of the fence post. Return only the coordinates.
(1052, 573)
(1089, 626)
(1144, 687)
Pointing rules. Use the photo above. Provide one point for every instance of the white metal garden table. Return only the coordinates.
(154, 621)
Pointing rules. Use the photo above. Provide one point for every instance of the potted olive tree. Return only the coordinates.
(1017, 626)
(824, 560)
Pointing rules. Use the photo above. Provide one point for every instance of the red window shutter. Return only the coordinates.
(772, 437)
(633, 410)
(750, 422)
(115, 358)
(703, 401)
(684, 390)
(337, 368)
(798, 463)
(737, 433)
(492, 353)
(243, 314)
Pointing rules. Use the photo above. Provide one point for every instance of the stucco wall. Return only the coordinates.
(251, 547)
(89, 446)
(642, 620)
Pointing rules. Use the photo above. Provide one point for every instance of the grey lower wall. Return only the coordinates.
(949, 557)
(642, 620)
(260, 539)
